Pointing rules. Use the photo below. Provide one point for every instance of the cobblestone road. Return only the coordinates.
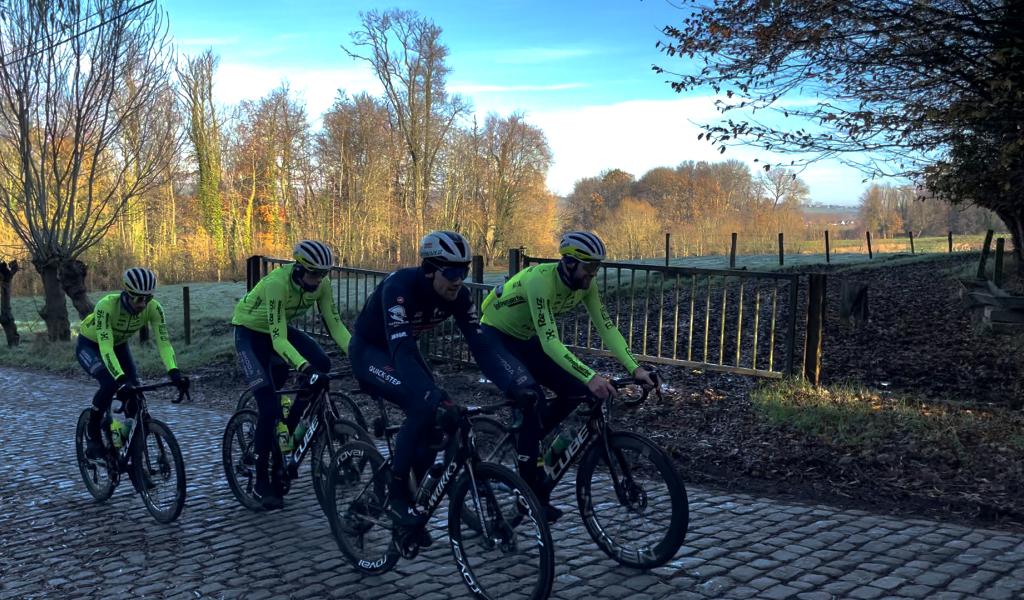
(56, 543)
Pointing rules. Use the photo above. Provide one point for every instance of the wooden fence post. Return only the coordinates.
(668, 247)
(828, 252)
(515, 261)
(910, 234)
(985, 249)
(950, 242)
(815, 327)
(780, 249)
(186, 304)
(252, 272)
(870, 254)
(732, 252)
(997, 274)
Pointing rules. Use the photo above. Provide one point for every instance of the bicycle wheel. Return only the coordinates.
(354, 505)
(643, 523)
(323, 452)
(345, 406)
(246, 401)
(493, 443)
(96, 473)
(238, 454)
(513, 556)
(160, 471)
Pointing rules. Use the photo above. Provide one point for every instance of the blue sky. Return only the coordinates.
(579, 70)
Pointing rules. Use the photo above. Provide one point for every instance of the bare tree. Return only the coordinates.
(408, 57)
(76, 76)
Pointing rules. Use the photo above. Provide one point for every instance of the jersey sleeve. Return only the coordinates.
(163, 339)
(538, 296)
(329, 312)
(467, 318)
(607, 330)
(274, 293)
(105, 336)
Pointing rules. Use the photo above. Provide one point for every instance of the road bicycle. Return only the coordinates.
(322, 427)
(508, 554)
(141, 447)
(632, 501)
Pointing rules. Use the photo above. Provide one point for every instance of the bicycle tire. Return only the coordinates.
(156, 466)
(96, 474)
(504, 537)
(354, 506)
(322, 454)
(665, 539)
(240, 464)
(493, 443)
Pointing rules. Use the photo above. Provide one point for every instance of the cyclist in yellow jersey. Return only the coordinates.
(518, 320)
(103, 351)
(261, 330)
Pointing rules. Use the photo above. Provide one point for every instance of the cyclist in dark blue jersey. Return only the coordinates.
(387, 361)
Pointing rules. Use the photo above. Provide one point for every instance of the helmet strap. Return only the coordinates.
(298, 277)
(567, 270)
(127, 305)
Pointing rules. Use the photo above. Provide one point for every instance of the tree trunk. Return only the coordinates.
(72, 279)
(7, 271)
(54, 311)
(1014, 221)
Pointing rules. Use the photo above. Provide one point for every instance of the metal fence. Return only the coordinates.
(734, 321)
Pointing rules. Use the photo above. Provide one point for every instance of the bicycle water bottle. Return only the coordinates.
(557, 449)
(286, 405)
(118, 432)
(300, 432)
(284, 438)
(428, 484)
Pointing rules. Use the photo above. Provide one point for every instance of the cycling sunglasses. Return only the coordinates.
(453, 271)
(139, 297)
(591, 267)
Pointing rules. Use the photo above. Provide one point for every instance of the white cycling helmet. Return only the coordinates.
(445, 246)
(582, 245)
(139, 281)
(313, 255)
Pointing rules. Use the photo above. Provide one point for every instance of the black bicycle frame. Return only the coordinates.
(589, 432)
(315, 410)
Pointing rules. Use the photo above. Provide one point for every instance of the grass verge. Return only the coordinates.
(858, 421)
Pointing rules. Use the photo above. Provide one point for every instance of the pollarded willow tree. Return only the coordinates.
(932, 90)
(81, 128)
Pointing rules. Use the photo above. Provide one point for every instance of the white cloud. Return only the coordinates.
(318, 87)
(637, 136)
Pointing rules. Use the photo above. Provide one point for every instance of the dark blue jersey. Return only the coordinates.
(405, 305)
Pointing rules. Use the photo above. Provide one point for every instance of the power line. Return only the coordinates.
(4, 62)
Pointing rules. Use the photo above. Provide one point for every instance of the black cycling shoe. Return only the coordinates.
(404, 513)
(268, 497)
(551, 514)
(94, 448)
(423, 538)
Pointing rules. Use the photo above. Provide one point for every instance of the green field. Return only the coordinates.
(211, 306)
